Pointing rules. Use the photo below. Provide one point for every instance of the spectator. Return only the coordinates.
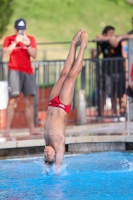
(129, 90)
(20, 47)
(113, 82)
(131, 31)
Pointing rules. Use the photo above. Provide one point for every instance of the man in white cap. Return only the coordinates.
(20, 47)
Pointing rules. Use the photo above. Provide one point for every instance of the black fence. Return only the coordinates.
(104, 82)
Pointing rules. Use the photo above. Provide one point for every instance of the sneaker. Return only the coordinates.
(115, 118)
(122, 117)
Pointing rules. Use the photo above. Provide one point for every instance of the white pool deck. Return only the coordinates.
(100, 132)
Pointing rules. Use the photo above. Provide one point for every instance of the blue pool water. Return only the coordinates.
(95, 176)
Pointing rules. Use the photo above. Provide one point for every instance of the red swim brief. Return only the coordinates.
(56, 103)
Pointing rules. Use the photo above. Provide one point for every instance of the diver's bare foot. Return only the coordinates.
(84, 39)
(76, 39)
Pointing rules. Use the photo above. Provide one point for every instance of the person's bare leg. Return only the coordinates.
(29, 112)
(68, 65)
(114, 105)
(103, 101)
(66, 94)
(9, 115)
(121, 105)
(131, 86)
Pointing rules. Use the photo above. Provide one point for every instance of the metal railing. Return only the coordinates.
(96, 78)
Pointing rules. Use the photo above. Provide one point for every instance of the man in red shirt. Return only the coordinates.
(20, 47)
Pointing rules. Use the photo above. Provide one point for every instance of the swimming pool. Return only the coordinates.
(95, 176)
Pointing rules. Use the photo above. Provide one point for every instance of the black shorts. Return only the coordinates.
(21, 82)
(114, 85)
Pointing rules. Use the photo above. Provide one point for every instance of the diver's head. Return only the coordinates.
(49, 155)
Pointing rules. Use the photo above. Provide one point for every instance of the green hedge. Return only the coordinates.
(46, 85)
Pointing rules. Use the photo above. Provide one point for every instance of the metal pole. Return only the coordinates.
(98, 83)
(36, 98)
(83, 78)
(130, 62)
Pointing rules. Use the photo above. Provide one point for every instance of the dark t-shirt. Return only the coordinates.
(109, 51)
(112, 65)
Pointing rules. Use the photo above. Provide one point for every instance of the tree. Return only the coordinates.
(6, 11)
